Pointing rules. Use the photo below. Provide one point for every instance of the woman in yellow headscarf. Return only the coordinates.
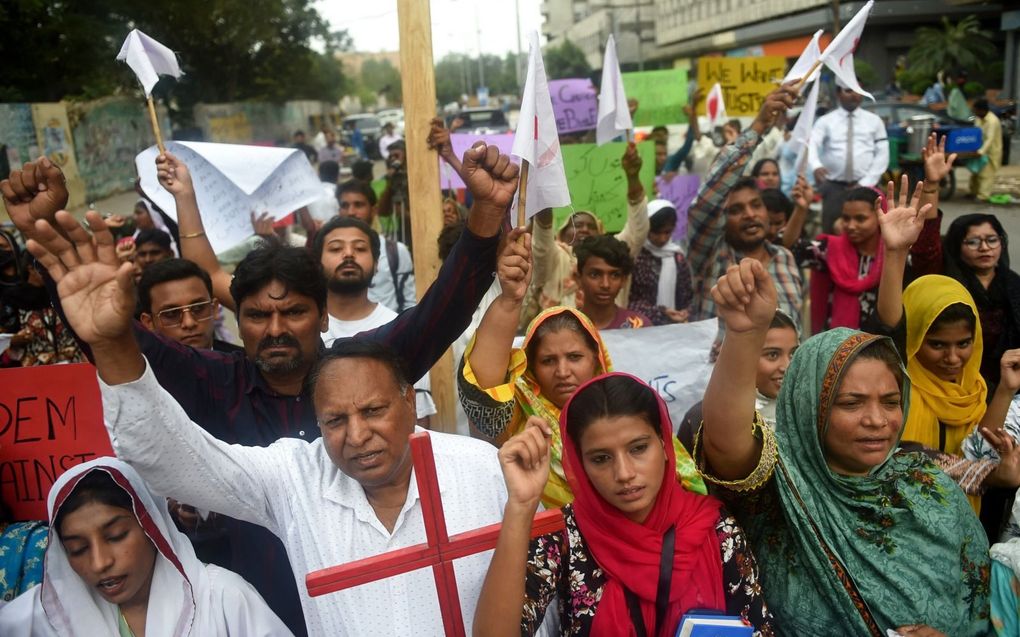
(935, 327)
(501, 386)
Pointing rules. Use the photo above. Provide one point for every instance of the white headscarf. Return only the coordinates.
(186, 597)
(666, 296)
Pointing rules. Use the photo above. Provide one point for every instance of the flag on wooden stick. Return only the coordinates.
(839, 55)
(801, 135)
(614, 115)
(715, 108)
(149, 59)
(807, 64)
(543, 181)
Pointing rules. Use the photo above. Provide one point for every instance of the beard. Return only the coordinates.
(278, 364)
(348, 286)
(743, 246)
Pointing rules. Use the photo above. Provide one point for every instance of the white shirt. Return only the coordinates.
(827, 148)
(380, 316)
(382, 290)
(326, 208)
(322, 515)
(384, 143)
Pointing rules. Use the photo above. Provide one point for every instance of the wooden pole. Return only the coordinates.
(155, 126)
(522, 194)
(814, 67)
(418, 82)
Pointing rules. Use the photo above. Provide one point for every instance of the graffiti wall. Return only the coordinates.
(107, 136)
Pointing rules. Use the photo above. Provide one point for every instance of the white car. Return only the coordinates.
(393, 116)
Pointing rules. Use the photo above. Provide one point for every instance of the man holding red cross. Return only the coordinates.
(345, 496)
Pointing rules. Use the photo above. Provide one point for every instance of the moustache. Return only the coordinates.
(283, 340)
(346, 263)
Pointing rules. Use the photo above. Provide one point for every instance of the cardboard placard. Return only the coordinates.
(661, 96)
(681, 190)
(576, 104)
(51, 419)
(597, 183)
(745, 81)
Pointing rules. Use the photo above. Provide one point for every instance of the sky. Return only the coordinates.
(373, 24)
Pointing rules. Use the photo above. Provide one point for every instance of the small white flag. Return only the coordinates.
(839, 55)
(614, 114)
(801, 135)
(538, 142)
(148, 59)
(715, 107)
(812, 53)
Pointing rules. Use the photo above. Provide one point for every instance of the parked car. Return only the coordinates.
(482, 121)
(371, 130)
(393, 116)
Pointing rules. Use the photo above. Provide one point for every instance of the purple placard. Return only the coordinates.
(448, 177)
(681, 190)
(575, 103)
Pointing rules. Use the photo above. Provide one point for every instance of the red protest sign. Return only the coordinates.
(51, 419)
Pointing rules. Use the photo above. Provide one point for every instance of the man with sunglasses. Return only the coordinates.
(848, 148)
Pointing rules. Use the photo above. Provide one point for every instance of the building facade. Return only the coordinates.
(588, 24)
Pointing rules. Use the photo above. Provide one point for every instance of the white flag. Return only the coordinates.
(839, 55)
(715, 107)
(801, 135)
(148, 59)
(537, 140)
(812, 53)
(614, 114)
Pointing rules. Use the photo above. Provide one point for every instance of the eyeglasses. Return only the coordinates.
(173, 316)
(974, 243)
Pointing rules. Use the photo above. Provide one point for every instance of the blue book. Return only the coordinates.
(708, 625)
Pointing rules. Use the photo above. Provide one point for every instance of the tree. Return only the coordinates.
(229, 50)
(952, 45)
(381, 78)
(566, 61)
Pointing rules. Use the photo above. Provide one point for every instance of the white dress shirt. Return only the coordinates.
(322, 515)
(870, 146)
(380, 316)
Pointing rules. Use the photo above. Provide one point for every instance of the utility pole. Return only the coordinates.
(478, 34)
(835, 17)
(519, 62)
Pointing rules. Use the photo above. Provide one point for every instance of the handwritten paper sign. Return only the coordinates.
(661, 96)
(681, 377)
(461, 142)
(232, 181)
(51, 419)
(597, 183)
(681, 190)
(745, 81)
(576, 104)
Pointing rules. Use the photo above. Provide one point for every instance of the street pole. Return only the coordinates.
(478, 35)
(519, 62)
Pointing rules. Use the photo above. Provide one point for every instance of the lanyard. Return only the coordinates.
(661, 591)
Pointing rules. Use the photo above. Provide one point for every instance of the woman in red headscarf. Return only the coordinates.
(638, 551)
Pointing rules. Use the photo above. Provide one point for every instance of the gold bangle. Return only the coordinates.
(193, 235)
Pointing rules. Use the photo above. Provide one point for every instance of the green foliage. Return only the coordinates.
(974, 89)
(866, 75)
(229, 50)
(566, 61)
(952, 45)
(381, 78)
(913, 81)
(457, 74)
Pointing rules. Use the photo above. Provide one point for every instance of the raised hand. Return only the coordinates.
(936, 163)
(263, 225)
(1009, 366)
(692, 104)
(96, 290)
(490, 176)
(514, 266)
(802, 193)
(631, 161)
(37, 191)
(902, 225)
(174, 175)
(745, 297)
(1007, 474)
(776, 103)
(525, 463)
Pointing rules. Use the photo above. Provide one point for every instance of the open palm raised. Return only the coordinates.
(902, 225)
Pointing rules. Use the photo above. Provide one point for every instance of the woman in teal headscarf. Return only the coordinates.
(853, 535)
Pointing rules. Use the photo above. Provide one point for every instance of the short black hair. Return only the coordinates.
(164, 272)
(744, 183)
(345, 222)
(362, 170)
(96, 486)
(776, 201)
(734, 123)
(329, 171)
(609, 249)
(295, 268)
(863, 194)
(153, 235)
(981, 104)
(358, 186)
(397, 145)
(298, 132)
(610, 397)
(448, 238)
(355, 347)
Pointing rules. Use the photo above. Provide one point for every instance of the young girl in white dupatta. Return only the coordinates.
(117, 566)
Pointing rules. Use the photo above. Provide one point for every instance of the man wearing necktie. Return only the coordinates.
(848, 148)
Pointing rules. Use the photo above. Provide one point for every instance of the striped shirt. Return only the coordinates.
(708, 253)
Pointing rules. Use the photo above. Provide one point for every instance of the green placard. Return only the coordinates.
(597, 183)
(661, 96)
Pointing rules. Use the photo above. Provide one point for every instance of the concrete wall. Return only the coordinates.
(261, 123)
